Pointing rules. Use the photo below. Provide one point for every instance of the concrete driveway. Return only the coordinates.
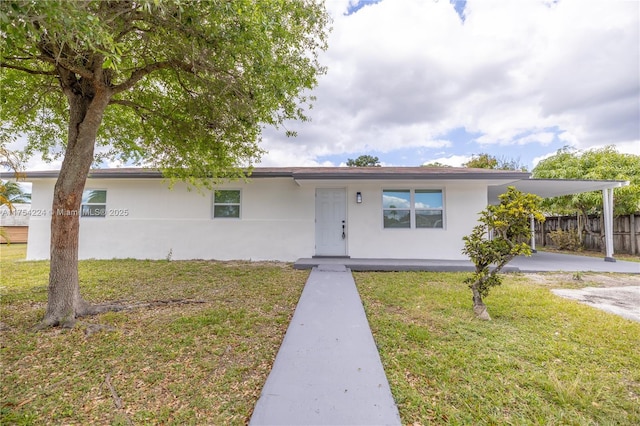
(617, 294)
(551, 262)
(623, 301)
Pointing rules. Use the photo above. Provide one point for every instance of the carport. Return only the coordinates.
(547, 188)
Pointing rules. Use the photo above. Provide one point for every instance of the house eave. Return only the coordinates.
(404, 173)
(300, 174)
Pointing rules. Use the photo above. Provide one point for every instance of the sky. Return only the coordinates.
(421, 81)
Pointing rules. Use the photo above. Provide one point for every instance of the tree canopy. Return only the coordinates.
(487, 161)
(188, 85)
(435, 164)
(183, 86)
(364, 161)
(597, 164)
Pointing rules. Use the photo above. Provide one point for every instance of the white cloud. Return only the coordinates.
(453, 160)
(404, 73)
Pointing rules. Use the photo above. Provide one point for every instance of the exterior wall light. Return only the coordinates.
(358, 197)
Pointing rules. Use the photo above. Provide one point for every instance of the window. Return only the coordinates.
(408, 208)
(94, 203)
(428, 208)
(226, 204)
(396, 207)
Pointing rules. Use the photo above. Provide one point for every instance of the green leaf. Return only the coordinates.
(199, 115)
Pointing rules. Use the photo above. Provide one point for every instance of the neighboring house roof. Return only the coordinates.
(18, 217)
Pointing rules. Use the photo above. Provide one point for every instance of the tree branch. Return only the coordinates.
(127, 103)
(82, 72)
(139, 74)
(139, 108)
(27, 70)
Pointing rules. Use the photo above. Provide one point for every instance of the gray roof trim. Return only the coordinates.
(134, 173)
(396, 173)
(313, 173)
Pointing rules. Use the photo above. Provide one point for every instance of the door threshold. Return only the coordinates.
(330, 257)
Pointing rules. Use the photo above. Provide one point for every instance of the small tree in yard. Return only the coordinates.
(501, 235)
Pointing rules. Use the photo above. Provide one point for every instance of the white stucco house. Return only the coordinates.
(283, 213)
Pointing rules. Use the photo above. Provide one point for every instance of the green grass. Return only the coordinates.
(542, 360)
(10, 252)
(201, 363)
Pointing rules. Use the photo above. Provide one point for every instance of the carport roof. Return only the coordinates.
(546, 188)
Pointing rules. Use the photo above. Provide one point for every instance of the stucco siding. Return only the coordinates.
(151, 221)
(147, 220)
(369, 239)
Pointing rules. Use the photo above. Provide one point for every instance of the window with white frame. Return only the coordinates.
(94, 203)
(226, 203)
(412, 208)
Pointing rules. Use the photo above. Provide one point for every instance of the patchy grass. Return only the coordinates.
(542, 360)
(11, 252)
(201, 363)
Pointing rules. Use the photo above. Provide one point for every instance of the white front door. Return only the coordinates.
(331, 222)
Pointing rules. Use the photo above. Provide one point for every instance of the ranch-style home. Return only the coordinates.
(285, 213)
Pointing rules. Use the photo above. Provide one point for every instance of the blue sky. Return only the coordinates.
(417, 81)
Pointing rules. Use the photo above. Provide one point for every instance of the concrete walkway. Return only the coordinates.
(328, 371)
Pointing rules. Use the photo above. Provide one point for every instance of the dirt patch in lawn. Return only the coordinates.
(622, 301)
(615, 293)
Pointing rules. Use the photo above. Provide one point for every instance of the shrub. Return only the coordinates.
(566, 240)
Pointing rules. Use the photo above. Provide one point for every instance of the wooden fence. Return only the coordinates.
(626, 232)
(16, 234)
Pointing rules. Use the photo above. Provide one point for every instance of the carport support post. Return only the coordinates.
(607, 213)
(533, 235)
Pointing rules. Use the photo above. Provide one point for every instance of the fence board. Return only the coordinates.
(626, 232)
(16, 234)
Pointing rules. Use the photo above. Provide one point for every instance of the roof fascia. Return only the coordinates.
(394, 183)
(301, 175)
(136, 174)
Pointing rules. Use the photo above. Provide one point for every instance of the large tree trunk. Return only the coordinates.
(65, 304)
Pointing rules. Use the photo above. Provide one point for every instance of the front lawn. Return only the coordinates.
(12, 252)
(201, 362)
(542, 360)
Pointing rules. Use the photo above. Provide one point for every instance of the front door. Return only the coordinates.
(331, 222)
